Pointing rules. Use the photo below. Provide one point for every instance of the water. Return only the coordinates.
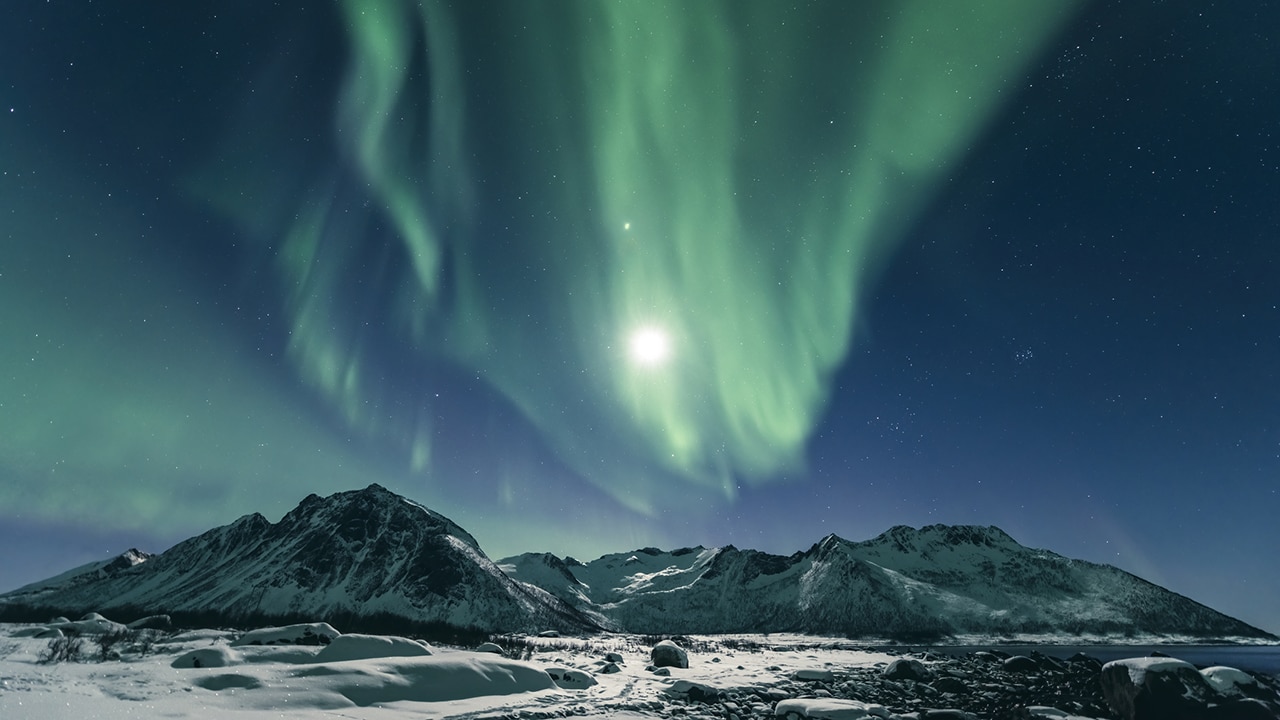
(1258, 658)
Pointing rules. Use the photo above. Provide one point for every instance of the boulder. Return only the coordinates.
(813, 675)
(1228, 681)
(906, 669)
(830, 709)
(570, 678)
(694, 692)
(1156, 688)
(669, 654)
(950, 684)
(1020, 664)
(1087, 660)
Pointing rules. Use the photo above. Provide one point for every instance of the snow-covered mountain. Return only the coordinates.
(361, 553)
(935, 581)
(371, 553)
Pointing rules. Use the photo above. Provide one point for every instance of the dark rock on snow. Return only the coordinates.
(1164, 688)
(669, 654)
(907, 669)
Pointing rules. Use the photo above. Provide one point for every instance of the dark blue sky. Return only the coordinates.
(997, 267)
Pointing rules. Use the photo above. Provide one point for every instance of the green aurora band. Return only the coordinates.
(556, 176)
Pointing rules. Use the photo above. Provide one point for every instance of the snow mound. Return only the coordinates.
(301, 634)
(354, 646)
(434, 678)
(1139, 667)
(91, 624)
(1228, 680)
(207, 657)
(830, 709)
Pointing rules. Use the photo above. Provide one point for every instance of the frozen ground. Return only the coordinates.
(292, 682)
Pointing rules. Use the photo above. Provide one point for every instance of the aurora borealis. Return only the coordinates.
(585, 276)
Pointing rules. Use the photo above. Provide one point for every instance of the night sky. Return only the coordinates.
(590, 276)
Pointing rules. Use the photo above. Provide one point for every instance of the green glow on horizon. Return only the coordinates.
(706, 168)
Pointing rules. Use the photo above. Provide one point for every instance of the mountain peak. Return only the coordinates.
(828, 544)
(908, 539)
(357, 513)
(361, 552)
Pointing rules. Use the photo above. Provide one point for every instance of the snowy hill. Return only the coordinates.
(936, 581)
(362, 553)
(374, 554)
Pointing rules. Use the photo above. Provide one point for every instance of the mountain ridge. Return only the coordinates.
(360, 552)
(372, 552)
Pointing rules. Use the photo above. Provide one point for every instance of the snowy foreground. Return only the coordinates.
(313, 671)
(274, 681)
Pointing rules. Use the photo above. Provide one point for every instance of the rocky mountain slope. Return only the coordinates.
(936, 581)
(366, 552)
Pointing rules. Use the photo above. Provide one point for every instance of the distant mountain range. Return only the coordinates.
(373, 554)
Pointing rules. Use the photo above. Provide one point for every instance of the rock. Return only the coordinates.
(489, 647)
(696, 692)
(830, 709)
(906, 669)
(1089, 660)
(950, 685)
(548, 634)
(610, 668)
(1020, 664)
(813, 675)
(662, 671)
(947, 714)
(571, 679)
(1228, 681)
(1156, 688)
(669, 654)
(613, 657)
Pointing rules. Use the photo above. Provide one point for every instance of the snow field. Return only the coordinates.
(377, 677)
